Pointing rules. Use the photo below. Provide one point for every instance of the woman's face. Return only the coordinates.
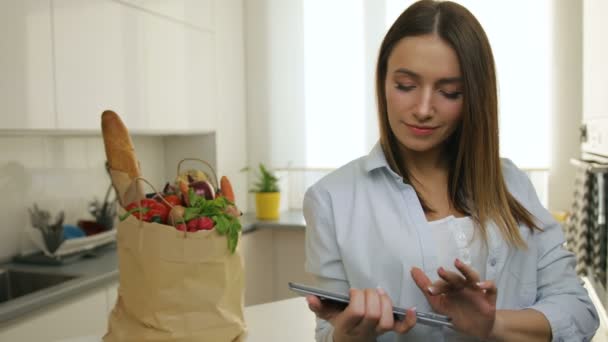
(423, 92)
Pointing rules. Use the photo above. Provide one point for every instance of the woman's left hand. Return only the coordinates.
(470, 303)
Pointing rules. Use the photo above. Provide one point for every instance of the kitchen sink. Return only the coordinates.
(16, 283)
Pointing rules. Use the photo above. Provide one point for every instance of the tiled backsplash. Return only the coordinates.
(67, 172)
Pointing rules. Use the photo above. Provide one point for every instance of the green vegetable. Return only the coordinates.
(225, 224)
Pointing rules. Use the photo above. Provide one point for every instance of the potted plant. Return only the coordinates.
(267, 195)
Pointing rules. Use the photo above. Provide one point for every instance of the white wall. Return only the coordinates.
(231, 136)
(275, 83)
(566, 101)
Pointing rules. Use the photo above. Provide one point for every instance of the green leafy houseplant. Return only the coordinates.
(267, 194)
(267, 181)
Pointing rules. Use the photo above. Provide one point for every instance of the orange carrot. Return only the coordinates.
(226, 189)
(183, 187)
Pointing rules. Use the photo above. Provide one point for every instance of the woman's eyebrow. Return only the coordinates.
(407, 72)
(449, 80)
(441, 81)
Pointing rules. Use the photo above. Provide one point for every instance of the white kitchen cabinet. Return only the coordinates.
(290, 258)
(258, 259)
(595, 55)
(156, 72)
(179, 66)
(273, 257)
(198, 13)
(26, 84)
(97, 63)
(82, 315)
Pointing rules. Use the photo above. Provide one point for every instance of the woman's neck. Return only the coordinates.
(424, 164)
(428, 172)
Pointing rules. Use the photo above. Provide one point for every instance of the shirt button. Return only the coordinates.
(493, 262)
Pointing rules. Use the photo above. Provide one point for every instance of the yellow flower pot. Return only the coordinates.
(267, 205)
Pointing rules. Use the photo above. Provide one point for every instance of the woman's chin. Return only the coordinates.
(418, 146)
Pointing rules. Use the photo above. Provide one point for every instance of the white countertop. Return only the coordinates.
(290, 320)
(285, 320)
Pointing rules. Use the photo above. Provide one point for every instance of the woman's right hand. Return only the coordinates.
(368, 315)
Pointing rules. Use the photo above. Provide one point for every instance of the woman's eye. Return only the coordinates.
(451, 96)
(404, 87)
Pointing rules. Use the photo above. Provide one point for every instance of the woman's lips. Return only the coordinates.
(421, 130)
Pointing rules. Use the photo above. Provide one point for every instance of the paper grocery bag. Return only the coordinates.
(176, 286)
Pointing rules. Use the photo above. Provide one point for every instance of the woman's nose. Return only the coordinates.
(424, 109)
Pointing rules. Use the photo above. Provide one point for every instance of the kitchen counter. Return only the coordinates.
(293, 219)
(285, 320)
(101, 270)
(90, 272)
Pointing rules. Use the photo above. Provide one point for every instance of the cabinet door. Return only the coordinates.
(84, 315)
(111, 297)
(595, 55)
(198, 13)
(256, 247)
(290, 259)
(595, 76)
(157, 73)
(97, 62)
(179, 64)
(26, 84)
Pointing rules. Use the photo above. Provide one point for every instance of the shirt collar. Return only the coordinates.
(376, 159)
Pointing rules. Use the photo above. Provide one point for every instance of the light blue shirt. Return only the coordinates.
(365, 228)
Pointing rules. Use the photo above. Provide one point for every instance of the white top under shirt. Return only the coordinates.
(458, 238)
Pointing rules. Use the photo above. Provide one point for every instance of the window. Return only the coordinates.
(339, 61)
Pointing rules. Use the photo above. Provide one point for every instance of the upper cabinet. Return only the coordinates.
(197, 13)
(595, 76)
(26, 65)
(595, 55)
(97, 61)
(157, 72)
(181, 83)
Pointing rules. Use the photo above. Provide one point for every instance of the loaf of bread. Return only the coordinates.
(120, 153)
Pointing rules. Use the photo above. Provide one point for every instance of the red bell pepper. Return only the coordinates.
(171, 199)
(148, 210)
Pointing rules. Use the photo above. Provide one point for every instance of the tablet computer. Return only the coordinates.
(425, 318)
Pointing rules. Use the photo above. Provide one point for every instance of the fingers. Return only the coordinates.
(370, 311)
(439, 287)
(490, 290)
(373, 311)
(324, 311)
(355, 311)
(422, 281)
(453, 279)
(467, 271)
(386, 321)
(401, 327)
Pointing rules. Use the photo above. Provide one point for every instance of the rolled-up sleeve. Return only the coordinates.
(561, 297)
(323, 258)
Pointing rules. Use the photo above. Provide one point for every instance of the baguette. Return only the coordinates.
(120, 154)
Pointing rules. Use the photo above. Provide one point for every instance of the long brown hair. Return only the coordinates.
(476, 185)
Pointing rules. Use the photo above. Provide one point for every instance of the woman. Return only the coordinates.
(432, 218)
